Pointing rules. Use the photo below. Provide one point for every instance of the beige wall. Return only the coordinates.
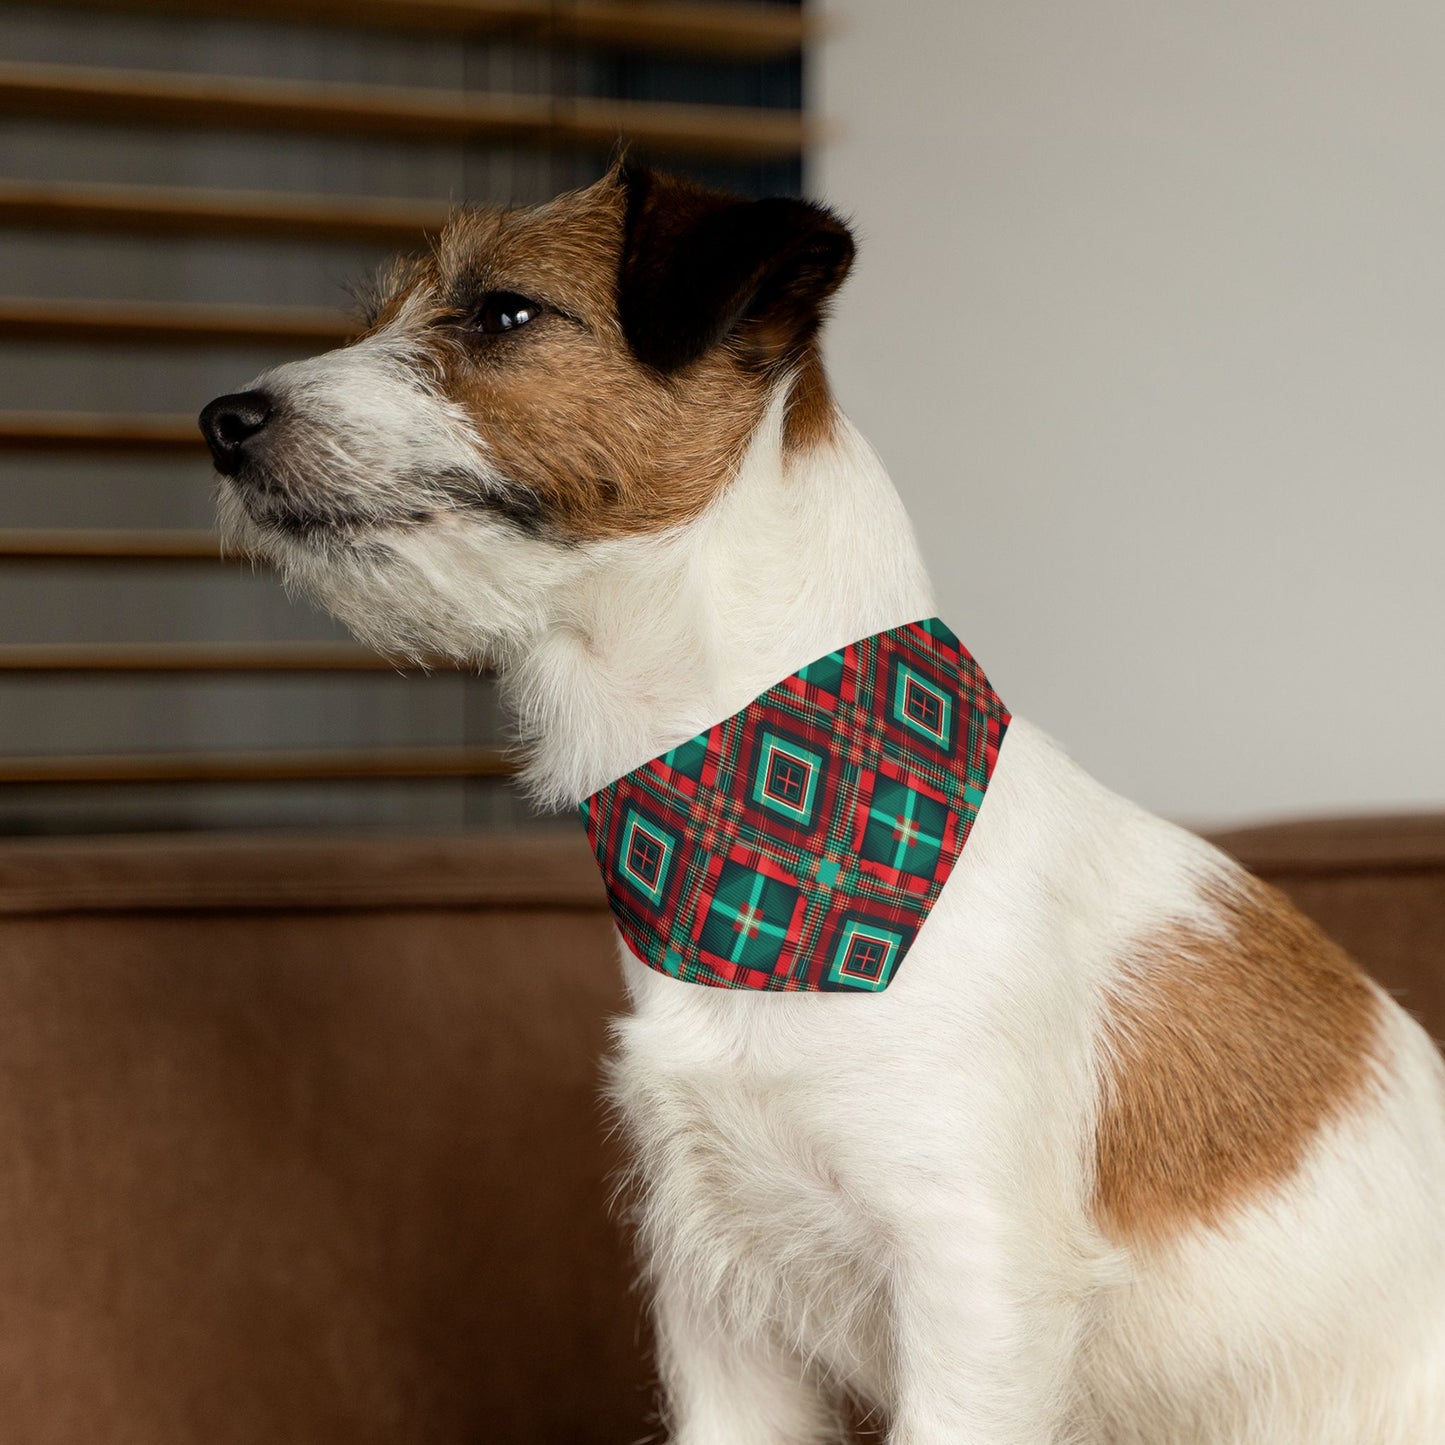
(1149, 324)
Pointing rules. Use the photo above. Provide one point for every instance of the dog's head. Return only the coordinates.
(544, 383)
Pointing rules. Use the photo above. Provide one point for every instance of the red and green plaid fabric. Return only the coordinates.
(800, 843)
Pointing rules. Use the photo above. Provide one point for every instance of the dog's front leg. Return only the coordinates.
(984, 1338)
(724, 1387)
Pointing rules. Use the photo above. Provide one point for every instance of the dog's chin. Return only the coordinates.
(241, 534)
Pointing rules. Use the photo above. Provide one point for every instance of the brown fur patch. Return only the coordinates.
(812, 414)
(605, 445)
(1227, 1052)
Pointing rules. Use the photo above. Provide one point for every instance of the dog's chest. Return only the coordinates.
(749, 1182)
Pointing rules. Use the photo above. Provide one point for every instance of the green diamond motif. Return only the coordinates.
(786, 778)
(865, 956)
(646, 855)
(923, 706)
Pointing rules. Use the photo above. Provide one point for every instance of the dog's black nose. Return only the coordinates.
(229, 422)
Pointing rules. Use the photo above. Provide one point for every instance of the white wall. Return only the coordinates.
(1149, 324)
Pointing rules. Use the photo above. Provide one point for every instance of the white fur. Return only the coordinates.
(890, 1194)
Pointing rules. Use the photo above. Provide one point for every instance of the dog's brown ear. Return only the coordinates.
(699, 266)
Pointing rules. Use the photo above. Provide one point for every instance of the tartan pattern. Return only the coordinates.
(800, 843)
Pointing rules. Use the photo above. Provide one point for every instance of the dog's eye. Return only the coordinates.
(504, 311)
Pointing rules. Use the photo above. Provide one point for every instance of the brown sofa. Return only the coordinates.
(302, 1142)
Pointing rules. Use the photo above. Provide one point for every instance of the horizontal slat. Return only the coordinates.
(759, 32)
(132, 657)
(78, 544)
(331, 765)
(220, 102)
(172, 211)
(85, 431)
(171, 323)
(706, 29)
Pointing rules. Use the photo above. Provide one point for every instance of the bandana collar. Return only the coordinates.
(800, 844)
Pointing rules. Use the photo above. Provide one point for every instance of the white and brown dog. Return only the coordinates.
(1129, 1153)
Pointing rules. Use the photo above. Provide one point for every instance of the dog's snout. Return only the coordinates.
(229, 422)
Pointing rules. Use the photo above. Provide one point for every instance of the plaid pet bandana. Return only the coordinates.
(800, 843)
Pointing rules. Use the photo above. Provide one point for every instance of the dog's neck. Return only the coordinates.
(665, 636)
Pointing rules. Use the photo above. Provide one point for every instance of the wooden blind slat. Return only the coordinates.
(271, 766)
(83, 544)
(172, 211)
(77, 431)
(761, 32)
(171, 323)
(755, 32)
(218, 102)
(185, 657)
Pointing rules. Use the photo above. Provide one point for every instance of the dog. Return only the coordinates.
(1128, 1153)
